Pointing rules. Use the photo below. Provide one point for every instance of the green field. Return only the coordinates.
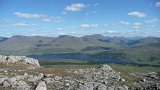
(76, 64)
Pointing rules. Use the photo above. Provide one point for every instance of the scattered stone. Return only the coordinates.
(12, 80)
(41, 75)
(2, 79)
(48, 75)
(102, 78)
(48, 80)
(6, 84)
(32, 78)
(21, 85)
(5, 71)
(102, 87)
(83, 87)
(121, 88)
(57, 78)
(20, 77)
(25, 74)
(67, 84)
(41, 86)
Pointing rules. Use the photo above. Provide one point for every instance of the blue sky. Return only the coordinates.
(80, 17)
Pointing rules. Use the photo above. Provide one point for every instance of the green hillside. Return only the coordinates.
(145, 54)
(26, 45)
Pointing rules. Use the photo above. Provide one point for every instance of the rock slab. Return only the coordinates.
(41, 86)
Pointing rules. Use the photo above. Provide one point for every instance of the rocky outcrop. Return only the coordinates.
(148, 81)
(22, 85)
(14, 59)
(102, 78)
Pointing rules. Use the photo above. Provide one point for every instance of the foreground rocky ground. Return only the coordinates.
(22, 73)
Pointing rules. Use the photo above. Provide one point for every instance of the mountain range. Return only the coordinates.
(24, 45)
(137, 49)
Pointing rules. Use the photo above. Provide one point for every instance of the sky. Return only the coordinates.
(128, 18)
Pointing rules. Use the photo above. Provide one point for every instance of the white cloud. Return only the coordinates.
(54, 19)
(137, 24)
(111, 32)
(57, 19)
(75, 7)
(3, 21)
(46, 20)
(124, 23)
(135, 27)
(42, 17)
(152, 21)
(28, 15)
(73, 32)
(61, 33)
(137, 14)
(73, 27)
(24, 25)
(157, 4)
(59, 29)
(94, 25)
(89, 25)
(85, 26)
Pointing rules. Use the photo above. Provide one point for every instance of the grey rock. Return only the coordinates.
(48, 75)
(58, 78)
(41, 75)
(114, 76)
(111, 88)
(41, 86)
(121, 88)
(67, 84)
(6, 84)
(5, 71)
(48, 80)
(25, 74)
(12, 80)
(14, 59)
(33, 78)
(123, 80)
(106, 68)
(2, 79)
(32, 61)
(86, 86)
(102, 87)
(82, 87)
(20, 77)
(21, 85)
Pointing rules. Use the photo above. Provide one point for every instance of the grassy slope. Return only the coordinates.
(129, 68)
(84, 64)
(146, 54)
(48, 62)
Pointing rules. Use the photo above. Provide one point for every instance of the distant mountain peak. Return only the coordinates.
(3, 39)
(97, 36)
(18, 36)
(64, 36)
